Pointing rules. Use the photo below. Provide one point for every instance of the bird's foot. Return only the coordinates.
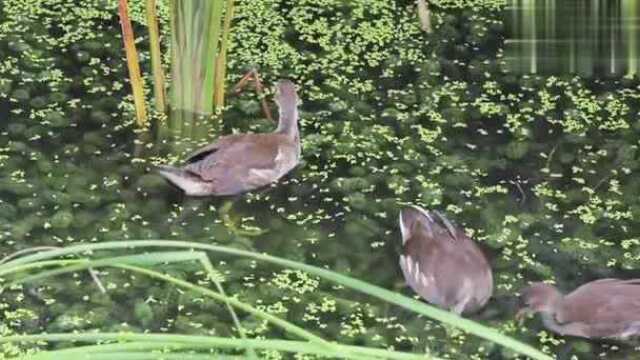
(232, 225)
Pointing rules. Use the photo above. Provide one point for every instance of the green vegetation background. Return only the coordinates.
(541, 170)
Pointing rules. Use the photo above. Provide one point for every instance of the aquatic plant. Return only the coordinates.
(159, 89)
(137, 85)
(541, 170)
(14, 271)
(221, 57)
(199, 43)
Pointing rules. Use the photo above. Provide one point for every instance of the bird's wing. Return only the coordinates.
(453, 271)
(602, 301)
(211, 148)
(419, 276)
(237, 158)
(463, 272)
(448, 273)
(445, 224)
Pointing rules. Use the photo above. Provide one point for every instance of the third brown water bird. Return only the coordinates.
(441, 263)
(242, 162)
(607, 308)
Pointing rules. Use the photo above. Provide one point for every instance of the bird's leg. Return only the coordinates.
(230, 223)
(225, 214)
(252, 75)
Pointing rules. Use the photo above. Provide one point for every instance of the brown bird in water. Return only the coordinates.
(441, 263)
(242, 162)
(607, 308)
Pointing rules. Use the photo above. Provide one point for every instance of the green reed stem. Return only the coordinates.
(156, 57)
(169, 341)
(221, 58)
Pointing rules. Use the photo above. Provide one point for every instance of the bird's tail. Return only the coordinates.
(186, 181)
(413, 216)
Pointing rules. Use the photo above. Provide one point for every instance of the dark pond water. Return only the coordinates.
(542, 171)
(588, 38)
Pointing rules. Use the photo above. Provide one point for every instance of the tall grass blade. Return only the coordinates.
(195, 342)
(137, 85)
(136, 356)
(221, 59)
(146, 260)
(361, 286)
(129, 262)
(179, 256)
(156, 57)
(128, 346)
(19, 253)
(176, 99)
(208, 266)
(211, 52)
(196, 27)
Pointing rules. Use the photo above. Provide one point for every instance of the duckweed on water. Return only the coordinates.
(541, 170)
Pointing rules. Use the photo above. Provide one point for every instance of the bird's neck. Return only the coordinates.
(288, 120)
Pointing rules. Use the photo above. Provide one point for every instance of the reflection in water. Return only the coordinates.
(595, 37)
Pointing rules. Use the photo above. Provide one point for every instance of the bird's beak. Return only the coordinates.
(522, 313)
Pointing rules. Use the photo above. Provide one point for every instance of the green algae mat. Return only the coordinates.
(540, 170)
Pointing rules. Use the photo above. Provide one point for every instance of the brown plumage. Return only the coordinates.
(238, 163)
(441, 263)
(607, 308)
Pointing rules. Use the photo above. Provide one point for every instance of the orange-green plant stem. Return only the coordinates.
(137, 85)
(156, 57)
(221, 59)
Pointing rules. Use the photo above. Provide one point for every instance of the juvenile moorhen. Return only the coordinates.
(606, 308)
(243, 162)
(441, 263)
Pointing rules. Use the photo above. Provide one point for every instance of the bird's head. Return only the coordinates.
(538, 297)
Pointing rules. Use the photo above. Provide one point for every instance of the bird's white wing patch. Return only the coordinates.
(263, 175)
(283, 163)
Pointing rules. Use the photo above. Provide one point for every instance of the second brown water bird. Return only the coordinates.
(606, 308)
(243, 162)
(441, 263)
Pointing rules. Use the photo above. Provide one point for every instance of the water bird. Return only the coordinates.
(441, 263)
(606, 308)
(239, 163)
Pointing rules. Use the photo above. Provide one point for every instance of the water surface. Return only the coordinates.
(542, 171)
